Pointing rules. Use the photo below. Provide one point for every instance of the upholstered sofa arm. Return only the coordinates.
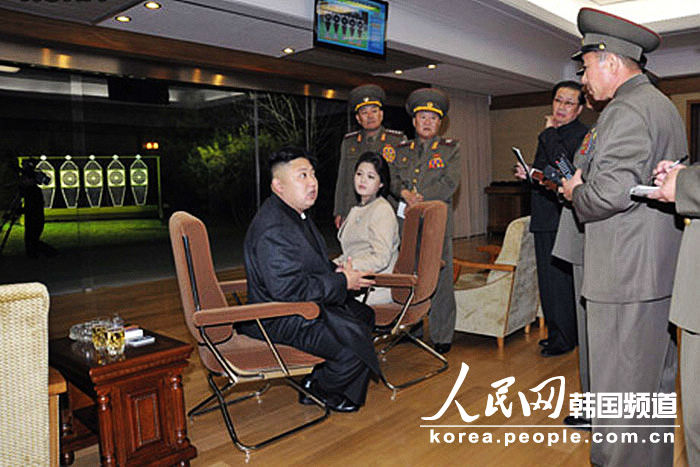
(237, 286)
(236, 314)
(395, 280)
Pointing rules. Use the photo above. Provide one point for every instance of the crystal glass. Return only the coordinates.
(117, 320)
(98, 327)
(115, 340)
(81, 332)
(99, 336)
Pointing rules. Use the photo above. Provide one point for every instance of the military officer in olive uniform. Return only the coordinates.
(428, 168)
(681, 185)
(630, 247)
(366, 103)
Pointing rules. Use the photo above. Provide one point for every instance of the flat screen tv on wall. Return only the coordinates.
(357, 26)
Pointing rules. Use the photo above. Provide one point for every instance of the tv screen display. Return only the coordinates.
(352, 25)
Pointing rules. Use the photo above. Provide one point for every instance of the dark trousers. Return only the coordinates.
(343, 372)
(556, 285)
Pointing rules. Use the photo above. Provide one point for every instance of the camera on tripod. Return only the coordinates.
(28, 170)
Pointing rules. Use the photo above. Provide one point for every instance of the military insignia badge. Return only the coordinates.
(436, 162)
(389, 153)
(588, 142)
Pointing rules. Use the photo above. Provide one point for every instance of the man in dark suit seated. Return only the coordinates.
(286, 261)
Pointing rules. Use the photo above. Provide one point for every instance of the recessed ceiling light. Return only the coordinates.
(152, 5)
(288, 50)
(398, 72)
(432, 66)
(9, 69)
(123, 18)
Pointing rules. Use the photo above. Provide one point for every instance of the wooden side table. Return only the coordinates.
(57, 386)
(133, 406)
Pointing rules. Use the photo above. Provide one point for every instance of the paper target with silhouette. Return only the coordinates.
(70, 182)
(116, 181)
(92, 180)
(138, 174)
(48, 190)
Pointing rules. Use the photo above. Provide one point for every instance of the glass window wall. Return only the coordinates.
(120, 155)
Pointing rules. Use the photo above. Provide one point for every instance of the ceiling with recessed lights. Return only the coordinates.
(493, 47)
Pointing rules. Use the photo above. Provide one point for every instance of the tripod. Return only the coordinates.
(11, 215)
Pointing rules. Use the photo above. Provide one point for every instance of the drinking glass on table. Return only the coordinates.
(99, 328)
(115, 340)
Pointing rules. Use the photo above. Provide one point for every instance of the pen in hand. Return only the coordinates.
(682, 159)
(668, 169)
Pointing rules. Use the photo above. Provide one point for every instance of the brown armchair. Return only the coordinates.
(413, 282)
(224, 352)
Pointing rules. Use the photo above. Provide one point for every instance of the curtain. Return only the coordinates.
(468, 121)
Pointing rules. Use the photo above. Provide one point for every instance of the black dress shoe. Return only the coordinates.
(310, 385)
(442, 348)
(554, 352)
(543, 342)
(578, 422)
(345, 405)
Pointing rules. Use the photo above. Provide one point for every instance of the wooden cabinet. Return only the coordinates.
(507, 201)
(133, 406)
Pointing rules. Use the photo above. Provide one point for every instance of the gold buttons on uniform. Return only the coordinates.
(417, 171)
(404, 159)
(415, 181)
(686, 221)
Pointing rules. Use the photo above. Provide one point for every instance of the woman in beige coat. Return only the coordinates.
(369, 236)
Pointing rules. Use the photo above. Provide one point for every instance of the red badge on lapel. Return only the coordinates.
(436, 162)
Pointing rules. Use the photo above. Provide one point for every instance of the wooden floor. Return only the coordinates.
(385, 431)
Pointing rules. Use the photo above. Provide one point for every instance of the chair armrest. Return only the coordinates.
(492, 266)
(235, 314)
(395, 280)
(240, 285)
(57, 384)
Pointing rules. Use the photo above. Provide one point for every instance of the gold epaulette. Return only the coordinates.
(351, 134)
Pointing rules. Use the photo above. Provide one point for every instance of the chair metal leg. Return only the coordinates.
(246, 448)
(201, 408)
(421, 345)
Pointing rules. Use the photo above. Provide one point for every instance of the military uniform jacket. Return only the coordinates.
(631, 246)
(353, 146)
(686, 294)
(568, 244)
(433, 168)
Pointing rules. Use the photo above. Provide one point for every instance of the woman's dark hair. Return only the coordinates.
(382, 169)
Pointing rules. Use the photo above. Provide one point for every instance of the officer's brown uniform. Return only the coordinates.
(433, 170)
(353, 146)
